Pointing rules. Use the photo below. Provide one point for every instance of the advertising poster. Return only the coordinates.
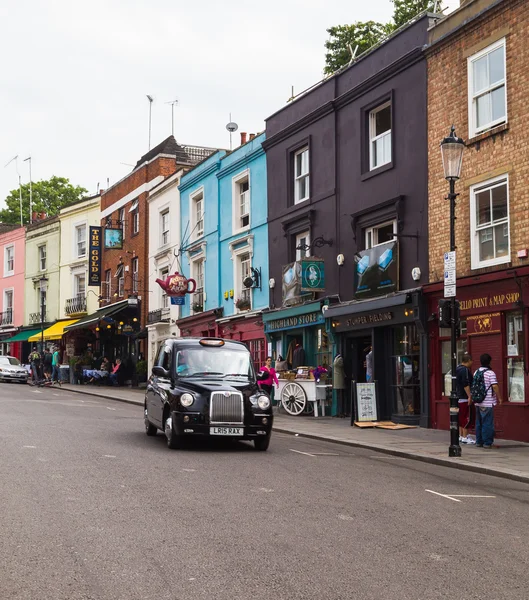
(366, 402)
(377, 271)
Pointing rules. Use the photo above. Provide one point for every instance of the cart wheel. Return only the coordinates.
(293, 399)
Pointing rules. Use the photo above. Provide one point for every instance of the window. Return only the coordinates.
(121, 281)
(197, 273)
(244, 297)
(108, 284)
(380, 136)
(164, 228)
(197, 215)
(135, 222)
(380, 234)
(42, 257)
(135, 275)
(7, 318)
(487, 94)
(164, 300)
(489, 219)
(80, 285)
(9, 260)
(302, 245)
(241, 202)
(80, 240)
(121, 220)
(301, 175)
(515, 354)
(42, 301)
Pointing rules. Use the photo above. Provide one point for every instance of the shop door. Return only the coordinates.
(490, 344)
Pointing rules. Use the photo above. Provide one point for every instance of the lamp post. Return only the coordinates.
(452, 149)
(43, 287)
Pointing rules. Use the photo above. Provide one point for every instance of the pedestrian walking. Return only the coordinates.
(486, 394)
(466, 408)
(47, 364)
(34, 361)
(268, 383)
(55, 362)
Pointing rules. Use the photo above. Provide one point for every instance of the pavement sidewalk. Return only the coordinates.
(507, 459)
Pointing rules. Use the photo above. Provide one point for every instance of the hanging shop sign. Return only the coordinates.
(366, 402)
(94, 271)
(113, 239)
(127, 330)
(291, 284)
(314, 318)
(376, 271)
(177, 285)
(312, 275)
(484, 324)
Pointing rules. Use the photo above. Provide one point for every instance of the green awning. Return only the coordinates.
(106, 311)
(23, 336)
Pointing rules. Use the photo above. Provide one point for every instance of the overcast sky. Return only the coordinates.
(74, 76)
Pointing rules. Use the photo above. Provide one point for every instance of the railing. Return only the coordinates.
(160, 315)
(75, 306)
(6, 317)
(36, 317)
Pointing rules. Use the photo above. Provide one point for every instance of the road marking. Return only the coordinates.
(57, 395)
(454, 497)
(388, 457)
(345, 518)
(108, 408)
(189, 470)
(325, 454)
(29, 446)
(36, 391)
(305, 453)
(109, 456)
(266, 490)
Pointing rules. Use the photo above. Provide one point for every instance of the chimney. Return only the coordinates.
(33, 216)
(243, 137)
(252, 135)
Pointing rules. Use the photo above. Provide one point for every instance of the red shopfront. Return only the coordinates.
(249, 330)
(494, 320)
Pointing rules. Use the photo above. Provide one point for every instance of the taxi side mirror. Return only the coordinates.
(160, 372)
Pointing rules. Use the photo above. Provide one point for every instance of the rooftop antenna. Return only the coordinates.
(173, 103)
(15, 158)
(30, 191)
(232, 128)
(151, 100)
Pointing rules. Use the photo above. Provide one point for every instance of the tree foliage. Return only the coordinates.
(367, 34)
(49, 196)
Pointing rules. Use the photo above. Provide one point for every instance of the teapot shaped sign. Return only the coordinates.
(177, 285)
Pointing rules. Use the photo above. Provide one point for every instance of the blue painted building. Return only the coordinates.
(225, 246)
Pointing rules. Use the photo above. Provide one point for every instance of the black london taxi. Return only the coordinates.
(206, 387)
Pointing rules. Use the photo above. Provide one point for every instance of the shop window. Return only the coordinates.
(380, 234)
(406, 362)
(515, 357)
(446, 362)
(323, 354)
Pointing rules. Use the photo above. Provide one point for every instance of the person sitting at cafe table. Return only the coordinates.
(116, 372)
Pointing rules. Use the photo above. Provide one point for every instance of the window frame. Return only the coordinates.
(165, 234)
(108, 283)
(135, 269)
(297, 177)
(370, 231)
(474, 130)
(78, 228)
(9, 292)
(237, 181)
(122, 220)
(303, 235)
(120, 276)
(200, 289)
(76, 278)
(9, 272)
(197, 196)
(476, 263)
(164, 272)
(373, 137)
(135, 221)
(42, 255)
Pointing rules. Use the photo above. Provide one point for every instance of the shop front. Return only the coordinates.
(246, 328)
(383, 341)
(494, 320)
(201, 324)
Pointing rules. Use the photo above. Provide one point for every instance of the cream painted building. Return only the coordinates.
(76, 298)
(164, 240)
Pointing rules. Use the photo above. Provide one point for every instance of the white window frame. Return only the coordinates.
(5, 307)
(77, 228)
(299, 176)
(373, 138)
(474, 130)
(136, 221)
(135, 270)
(108, 283)
(194, 275)
(300, 254)
(120, 275)
(9, 272)
(196, 196)
(371, 234)
(237, 255)
(165, 232)
(164, 298)
(76, 287)
(476, 263)
(237, 214)
(42, 255)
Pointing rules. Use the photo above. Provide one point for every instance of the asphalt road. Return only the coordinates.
(91, 508)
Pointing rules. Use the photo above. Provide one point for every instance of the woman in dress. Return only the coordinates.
(268, 383)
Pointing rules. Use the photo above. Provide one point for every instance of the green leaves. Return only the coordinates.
(49, 196)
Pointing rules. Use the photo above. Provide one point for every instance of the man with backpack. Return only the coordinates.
(34, 361)
(463, 381)
(485, 393)
(46, 362)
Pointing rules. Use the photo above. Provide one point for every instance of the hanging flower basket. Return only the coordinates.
(197, 307)
(243, 304)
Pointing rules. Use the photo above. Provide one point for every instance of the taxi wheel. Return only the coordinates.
(261, 444)
(174, 441)
(150, 429)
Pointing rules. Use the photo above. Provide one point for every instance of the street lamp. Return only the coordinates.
(43, 287)
(452, 149)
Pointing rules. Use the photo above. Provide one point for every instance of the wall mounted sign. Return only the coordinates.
(178, 300)
(366, 402)
(113, 239)
(377, 271)
(484, 324)
(491, 301)
(369, 319)
(314, 318)
(94, 269)
(312, 275)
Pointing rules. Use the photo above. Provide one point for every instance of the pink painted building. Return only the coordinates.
(12, 255)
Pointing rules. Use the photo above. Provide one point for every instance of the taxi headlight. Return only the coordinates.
(186, 400)
(263, 402)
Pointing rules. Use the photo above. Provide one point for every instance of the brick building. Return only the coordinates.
(478, 74)
(119, 324)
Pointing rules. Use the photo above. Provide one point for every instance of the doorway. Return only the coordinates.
(357, 366)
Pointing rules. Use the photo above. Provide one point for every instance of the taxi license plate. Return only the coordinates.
(226, 431)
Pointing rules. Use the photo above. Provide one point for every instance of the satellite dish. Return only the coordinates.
(231, 127)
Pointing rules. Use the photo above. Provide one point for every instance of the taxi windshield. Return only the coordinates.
(225, 363)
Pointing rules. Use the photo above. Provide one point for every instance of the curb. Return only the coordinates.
(426, 458)
(103, 396)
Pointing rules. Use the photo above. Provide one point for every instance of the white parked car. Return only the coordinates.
(12, 370)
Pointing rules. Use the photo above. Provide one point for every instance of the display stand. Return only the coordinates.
(295, 395)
